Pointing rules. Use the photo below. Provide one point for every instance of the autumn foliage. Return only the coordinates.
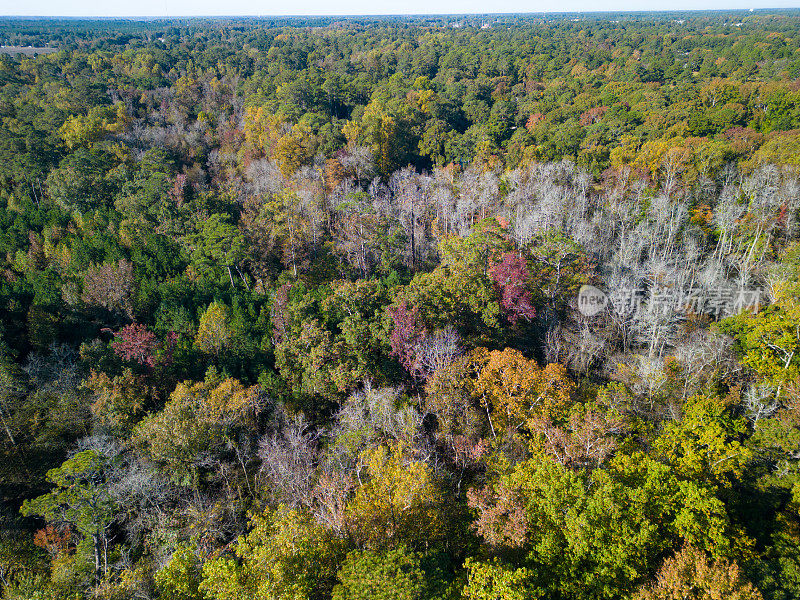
(511, 277)
(291, 309)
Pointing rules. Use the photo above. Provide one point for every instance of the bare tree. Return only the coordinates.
(110, 286)
(288, 461)
(760, 402)
(437, 350)
(329, 498)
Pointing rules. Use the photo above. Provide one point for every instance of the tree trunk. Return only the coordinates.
(7, 428)
(246, 285)
(413, 241)
(96, 546)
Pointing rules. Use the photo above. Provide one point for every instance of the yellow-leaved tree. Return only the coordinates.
(397, 502)
(513, 389)
(198, 418)
(691, 574)
(214, 333)
(84, 130)
(285, 556)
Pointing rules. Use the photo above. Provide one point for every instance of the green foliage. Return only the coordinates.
(460, 290)
(600, 534)
(357, 244)
(494, 580)
(769, 341)
(286, 555)
(79, 496)
(390, 575)
(197, 418)
(179, 579)
(704, 445)
(220, 245)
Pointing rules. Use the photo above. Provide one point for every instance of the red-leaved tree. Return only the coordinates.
(511, 276)
(135, 342)
(406, 336)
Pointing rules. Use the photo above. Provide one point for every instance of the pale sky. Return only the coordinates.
(161, 8)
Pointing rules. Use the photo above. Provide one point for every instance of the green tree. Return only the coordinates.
(220, 245)
(600, 534)
(285, 556)
(460, 292)
(495, 580)
(389, 575)
(80, 498)
(179, 579)
(197, 420)
(704, 445)
(770, 342)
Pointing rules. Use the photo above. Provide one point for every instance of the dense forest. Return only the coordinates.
(426, 308)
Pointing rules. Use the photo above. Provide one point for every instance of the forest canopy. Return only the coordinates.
(497, 307)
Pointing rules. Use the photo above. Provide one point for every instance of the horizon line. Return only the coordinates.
(406, 15)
